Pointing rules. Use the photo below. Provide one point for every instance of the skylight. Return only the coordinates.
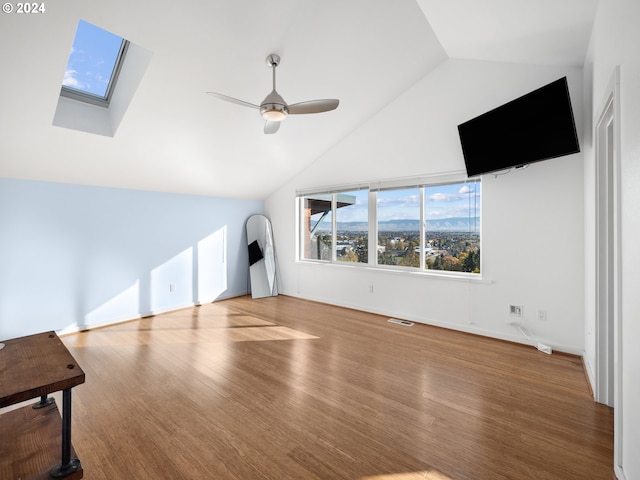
(94, 63)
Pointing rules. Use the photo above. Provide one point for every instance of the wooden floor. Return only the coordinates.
(281, 388)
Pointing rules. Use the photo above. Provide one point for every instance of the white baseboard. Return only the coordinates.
(591, 376)
(90, 326)
(516, 337)
(115, 321)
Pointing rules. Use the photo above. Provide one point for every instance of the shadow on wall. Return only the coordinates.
(197, 275)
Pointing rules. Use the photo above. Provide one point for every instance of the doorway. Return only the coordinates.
(608, 289)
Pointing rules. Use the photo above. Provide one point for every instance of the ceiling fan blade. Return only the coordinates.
(233, 100)
(313, 106)
(271, 127)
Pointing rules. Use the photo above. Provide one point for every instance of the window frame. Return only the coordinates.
(408, 268)
(335, 207)
(302, 229)
(470, 180)
(373, 188)
(91, 98)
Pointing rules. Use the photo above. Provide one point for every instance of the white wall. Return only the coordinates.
(76, 256)
(589, 222)
(532, 220)
(616, 41)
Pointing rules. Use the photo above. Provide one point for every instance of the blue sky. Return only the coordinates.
(92, 59)
(453, 200)
(442, 201)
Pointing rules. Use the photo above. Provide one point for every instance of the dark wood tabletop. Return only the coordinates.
(36, 365)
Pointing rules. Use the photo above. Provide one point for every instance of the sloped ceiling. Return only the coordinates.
(539, 32)
(175, 138)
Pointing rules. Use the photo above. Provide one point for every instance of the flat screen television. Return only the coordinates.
(537, 126)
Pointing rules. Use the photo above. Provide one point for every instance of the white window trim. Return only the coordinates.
(373, 187)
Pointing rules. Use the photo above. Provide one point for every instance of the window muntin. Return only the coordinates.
(452, 227)
(398, 216)
(93, 65)
(352, 226)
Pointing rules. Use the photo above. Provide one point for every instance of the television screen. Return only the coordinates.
(534, 127)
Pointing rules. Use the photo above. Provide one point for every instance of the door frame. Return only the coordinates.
(608, 359)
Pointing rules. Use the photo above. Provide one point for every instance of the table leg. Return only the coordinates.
(68, 465)
(45, 401)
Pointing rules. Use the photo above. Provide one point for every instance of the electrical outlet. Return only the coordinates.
(542, 315)
(515, 310)
(370, 288)
(172, 287)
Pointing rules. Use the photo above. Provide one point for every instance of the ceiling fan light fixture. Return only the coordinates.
(274, 112)
(274, 109)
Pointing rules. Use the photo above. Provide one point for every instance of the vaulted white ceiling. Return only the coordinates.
(538, 32)
(175, 138)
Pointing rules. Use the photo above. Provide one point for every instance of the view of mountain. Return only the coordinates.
(453, 224)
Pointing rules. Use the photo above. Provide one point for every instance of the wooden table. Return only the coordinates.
(36, 442)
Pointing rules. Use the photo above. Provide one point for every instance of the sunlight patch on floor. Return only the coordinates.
(425, 474)
(177, 336)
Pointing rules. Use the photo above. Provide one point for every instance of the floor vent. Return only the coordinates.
(401, 322)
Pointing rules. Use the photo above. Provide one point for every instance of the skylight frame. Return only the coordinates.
(98, 100)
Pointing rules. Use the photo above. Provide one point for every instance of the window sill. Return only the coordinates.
(431, 274)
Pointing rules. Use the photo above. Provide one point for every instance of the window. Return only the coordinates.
(426, 226)
(352, 226)
(452, 227)
(349, 234)
(93, 66)
(398, 215)
(316, 227)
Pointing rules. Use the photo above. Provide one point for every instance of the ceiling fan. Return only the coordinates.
(274, 109)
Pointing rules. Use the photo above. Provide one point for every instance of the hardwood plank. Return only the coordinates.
(282, 388)
(31, 444)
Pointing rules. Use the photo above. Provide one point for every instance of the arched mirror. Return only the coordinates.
(262, 261)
